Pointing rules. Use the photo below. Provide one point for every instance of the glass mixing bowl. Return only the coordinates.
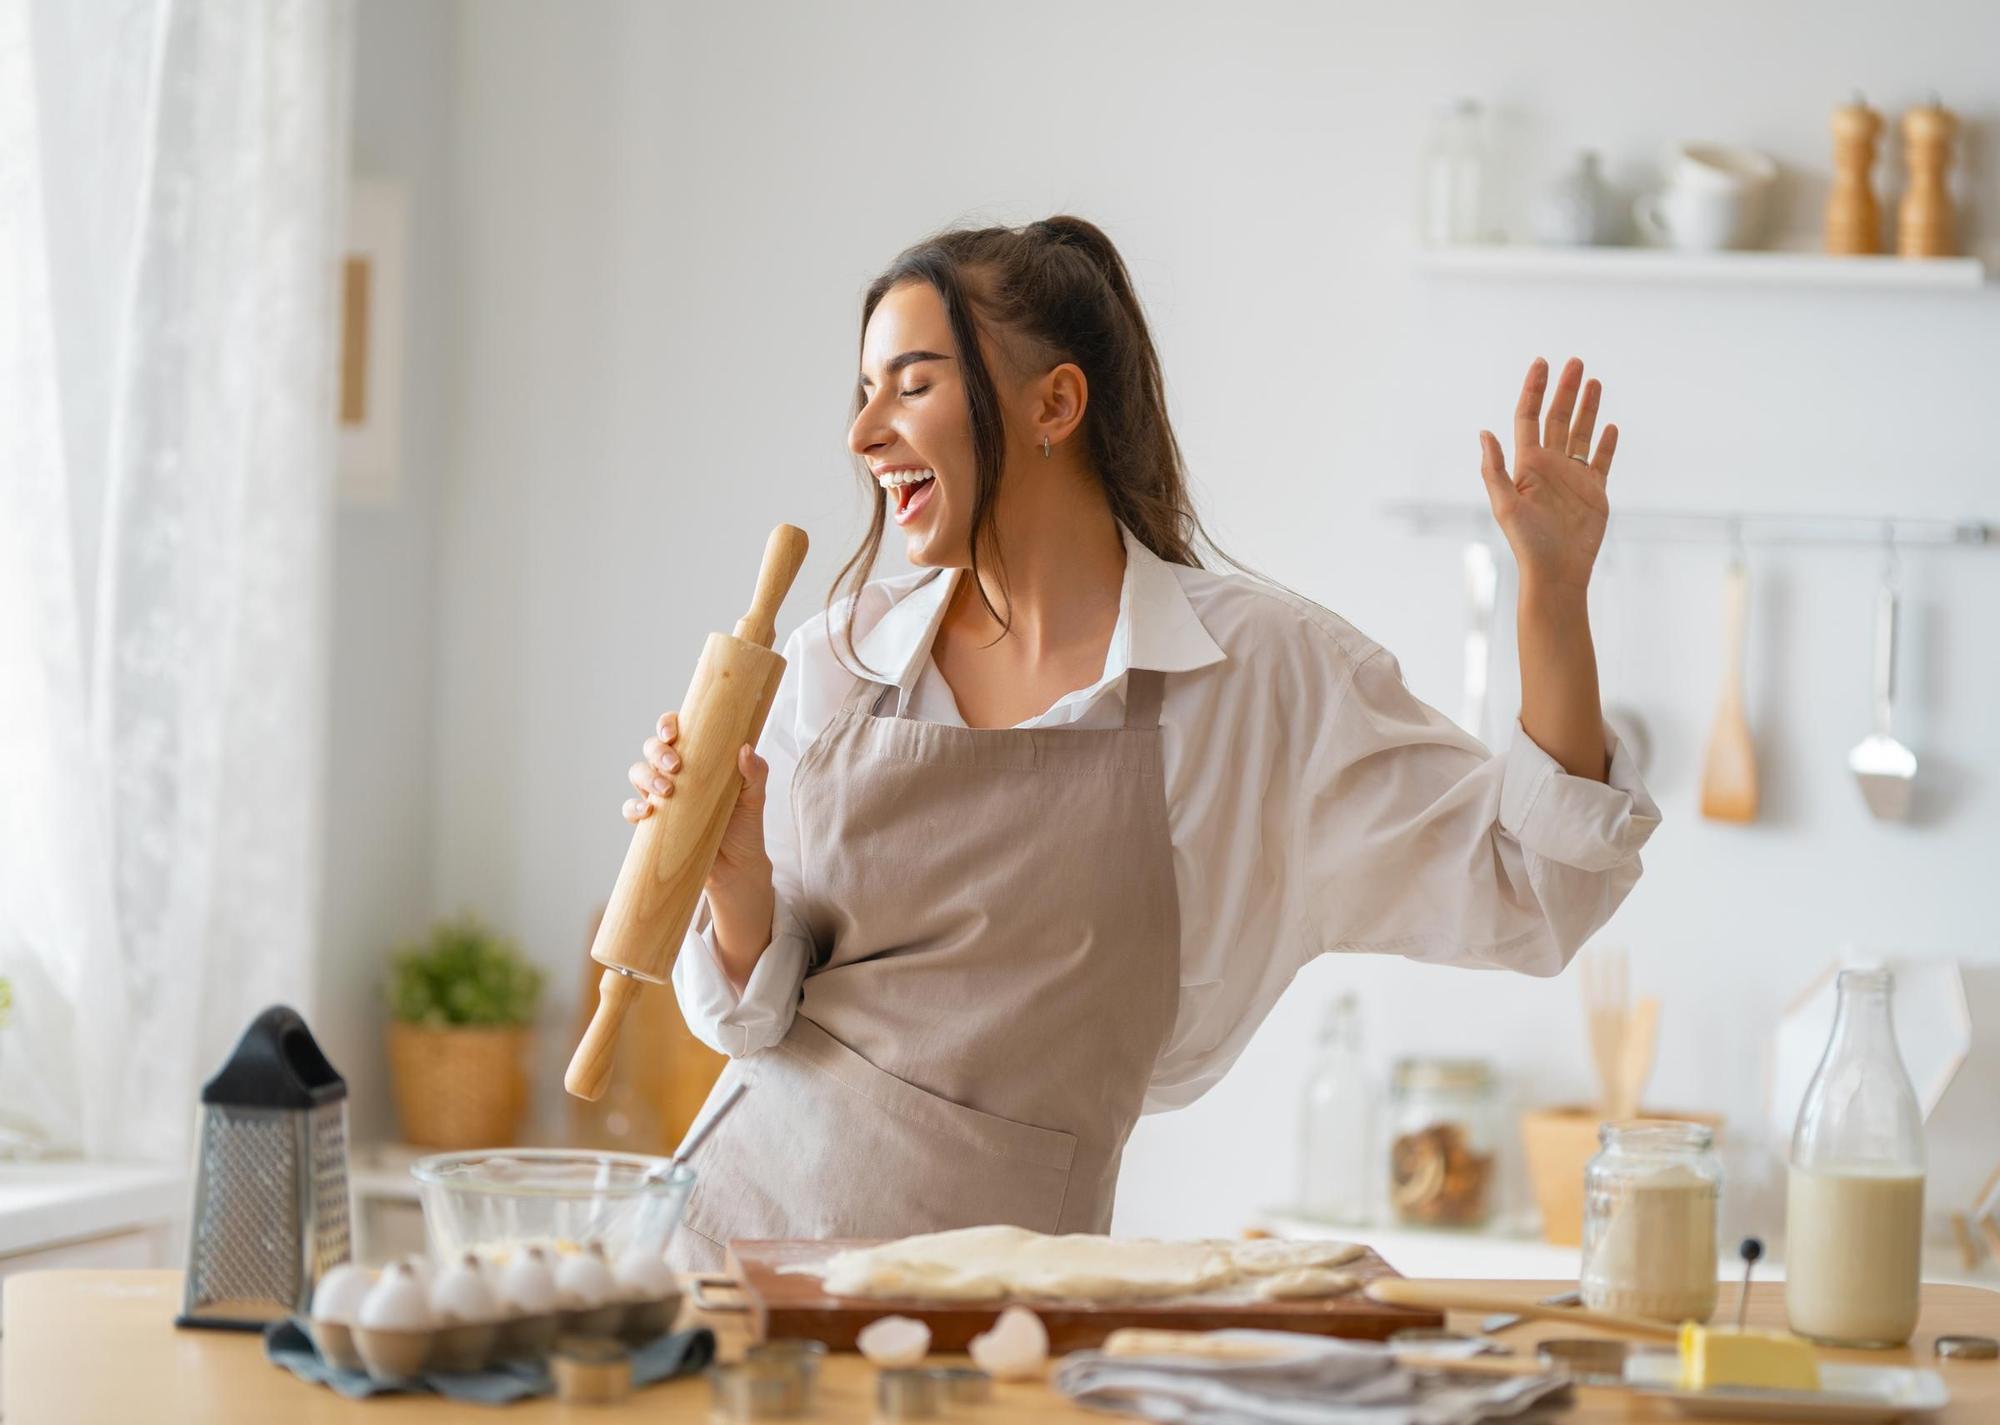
(493, 1201)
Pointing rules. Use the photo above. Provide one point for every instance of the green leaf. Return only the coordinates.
(464, 973)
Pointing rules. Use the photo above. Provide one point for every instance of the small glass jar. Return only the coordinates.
(1444, 1127)
(1649, 1220)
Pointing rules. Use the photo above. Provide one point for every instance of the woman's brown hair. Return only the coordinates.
(1053, 291)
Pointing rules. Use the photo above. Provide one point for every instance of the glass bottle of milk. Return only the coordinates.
(1338, 1156)
(1854, 1209)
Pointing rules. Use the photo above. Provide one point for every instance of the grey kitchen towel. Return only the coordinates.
(1320, 1381)
(289, 1343)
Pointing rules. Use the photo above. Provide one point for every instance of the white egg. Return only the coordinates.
(584, 1279)
(528, 1283)
(460, 1292)
(1017, 1348)
(894, 1342)
(396, 1302)
(644, 1275)
(340, 1292)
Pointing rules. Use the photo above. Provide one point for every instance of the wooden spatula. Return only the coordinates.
(1729, 771)
(1452, 1296)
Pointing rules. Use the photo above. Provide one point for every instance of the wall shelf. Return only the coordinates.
(1758, 269)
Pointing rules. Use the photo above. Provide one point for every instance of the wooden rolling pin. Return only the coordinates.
(672, 849)
(1443, 1296)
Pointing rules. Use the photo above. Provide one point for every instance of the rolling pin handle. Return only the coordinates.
(784, 552)
(590, 1066)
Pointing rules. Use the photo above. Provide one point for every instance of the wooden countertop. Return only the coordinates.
(99, 1348)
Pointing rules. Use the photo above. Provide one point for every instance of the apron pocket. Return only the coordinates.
(829, 1145)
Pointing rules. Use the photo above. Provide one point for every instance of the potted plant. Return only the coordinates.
(462, 1006)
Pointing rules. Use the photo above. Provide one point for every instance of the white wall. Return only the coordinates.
(378, 887)
(665, 217)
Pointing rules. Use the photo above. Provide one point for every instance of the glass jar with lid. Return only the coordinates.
(1444, 1129)
(1649, 1220)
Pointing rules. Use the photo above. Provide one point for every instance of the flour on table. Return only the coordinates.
(995, 1263)
(1305, 1283)
(1274, 1255)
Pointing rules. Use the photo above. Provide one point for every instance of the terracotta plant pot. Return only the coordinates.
(1559, 1143)
(459, 1086)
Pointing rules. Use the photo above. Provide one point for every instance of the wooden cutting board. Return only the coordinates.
(790, 1304)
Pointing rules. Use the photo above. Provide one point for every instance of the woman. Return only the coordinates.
(1040, 832)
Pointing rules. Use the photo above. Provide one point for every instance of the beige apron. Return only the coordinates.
(996, 968)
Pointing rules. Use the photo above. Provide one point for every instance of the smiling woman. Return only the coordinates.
(1038, 833)
(1007, 308)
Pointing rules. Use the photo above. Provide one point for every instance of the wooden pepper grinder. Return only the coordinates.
(1853, 219)
(1924, 218)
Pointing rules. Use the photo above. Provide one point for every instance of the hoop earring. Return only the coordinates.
(1045, 447)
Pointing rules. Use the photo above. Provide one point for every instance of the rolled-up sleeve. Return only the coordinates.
(739, 1024)
(717, 1015)
(1418, 842)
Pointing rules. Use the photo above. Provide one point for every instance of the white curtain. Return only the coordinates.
(172, 181)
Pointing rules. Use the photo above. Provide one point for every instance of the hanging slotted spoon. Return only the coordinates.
(1885, 769)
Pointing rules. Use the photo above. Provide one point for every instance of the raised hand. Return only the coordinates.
(1553, 508)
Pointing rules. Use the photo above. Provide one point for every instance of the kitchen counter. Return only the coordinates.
(99, 1348)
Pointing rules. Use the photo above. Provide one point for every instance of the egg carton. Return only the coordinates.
(412, 1317)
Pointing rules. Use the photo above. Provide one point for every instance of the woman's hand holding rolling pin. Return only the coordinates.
(739, 887)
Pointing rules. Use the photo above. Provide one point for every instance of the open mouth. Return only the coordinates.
(910, 490)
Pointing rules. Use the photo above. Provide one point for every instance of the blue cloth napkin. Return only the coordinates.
(289, 1343)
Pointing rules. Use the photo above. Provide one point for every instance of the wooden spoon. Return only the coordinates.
(1449, 1296)
(1729, 772)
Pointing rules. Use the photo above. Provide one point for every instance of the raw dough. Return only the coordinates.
(996, 1263)
(1274, 1254)
(1305, 1283)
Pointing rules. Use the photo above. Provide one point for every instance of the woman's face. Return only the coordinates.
(915, 428)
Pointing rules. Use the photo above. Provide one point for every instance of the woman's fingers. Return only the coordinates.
(1607, 446)
(1555, 430)
(637, 809)
(1493, 470)
(647, 781)
(1528, 410)
(669, 726)
(662, 757)
(1586, 421)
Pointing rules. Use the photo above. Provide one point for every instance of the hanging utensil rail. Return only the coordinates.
(1725, 527)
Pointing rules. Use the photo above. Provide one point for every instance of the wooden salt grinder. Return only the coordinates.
(1853, 219)
(672, 850)
(1924, 218)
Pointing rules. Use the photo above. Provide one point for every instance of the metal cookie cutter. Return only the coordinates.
(906, 1395)
(766, 1389)
(962, 1385)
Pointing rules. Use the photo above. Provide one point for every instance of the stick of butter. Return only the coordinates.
(1766, 1359)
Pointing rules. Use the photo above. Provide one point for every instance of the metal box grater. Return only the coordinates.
(270, 1213)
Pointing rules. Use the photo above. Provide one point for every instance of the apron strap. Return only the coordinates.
(1143, 687)
(867, 697)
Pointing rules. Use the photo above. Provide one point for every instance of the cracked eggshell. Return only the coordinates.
(340, 1292)
(396, 1303)
(894, 1342)
(1017, 1348)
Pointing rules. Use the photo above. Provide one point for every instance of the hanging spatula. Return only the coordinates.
(1885, 769)
(1729, 771)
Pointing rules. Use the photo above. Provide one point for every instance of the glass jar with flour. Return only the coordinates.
(1649, 1246)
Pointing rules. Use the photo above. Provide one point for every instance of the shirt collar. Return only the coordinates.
(1157, 626)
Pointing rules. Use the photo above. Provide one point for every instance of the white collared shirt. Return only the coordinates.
(1314, 804)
